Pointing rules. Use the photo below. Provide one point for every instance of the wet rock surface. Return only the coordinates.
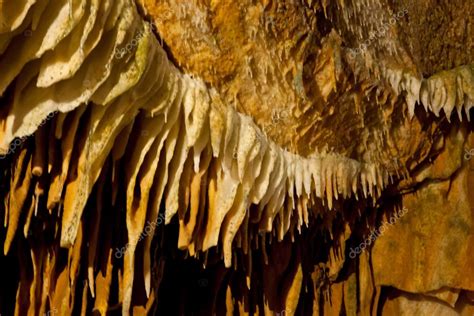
(273, 157)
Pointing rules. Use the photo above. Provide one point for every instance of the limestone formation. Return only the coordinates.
(237, 157)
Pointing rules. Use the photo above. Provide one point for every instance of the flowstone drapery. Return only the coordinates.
(197, 158)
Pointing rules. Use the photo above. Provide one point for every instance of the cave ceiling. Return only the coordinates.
(264, 136)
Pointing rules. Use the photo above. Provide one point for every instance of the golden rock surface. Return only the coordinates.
(247, 157)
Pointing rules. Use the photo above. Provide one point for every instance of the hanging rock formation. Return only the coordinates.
(240, 157)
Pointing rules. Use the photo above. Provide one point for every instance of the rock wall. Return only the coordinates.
(222, 157)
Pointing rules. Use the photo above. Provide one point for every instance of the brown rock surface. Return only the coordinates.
(236, 157)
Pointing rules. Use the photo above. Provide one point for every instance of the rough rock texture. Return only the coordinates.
(239, 157)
